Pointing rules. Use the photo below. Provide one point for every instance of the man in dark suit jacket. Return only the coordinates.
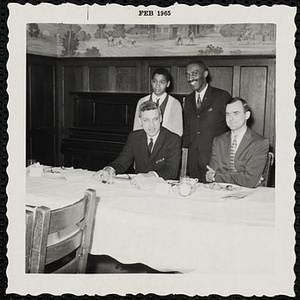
(162, 160)
(239, 155)
(203, 121)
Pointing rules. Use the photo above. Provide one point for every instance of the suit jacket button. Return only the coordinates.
(198, 132)
(198, 116)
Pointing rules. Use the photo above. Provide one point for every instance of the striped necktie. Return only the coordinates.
(198, 101)
(232, 153)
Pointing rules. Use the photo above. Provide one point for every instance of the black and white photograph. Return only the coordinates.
(150, 150)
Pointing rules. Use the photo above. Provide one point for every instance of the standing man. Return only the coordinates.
(154, 149)
(170, 107)
(239, 155)
(204, 113)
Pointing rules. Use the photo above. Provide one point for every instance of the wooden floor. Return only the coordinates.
(106, 264)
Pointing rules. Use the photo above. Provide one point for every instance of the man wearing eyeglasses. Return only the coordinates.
(204, 118)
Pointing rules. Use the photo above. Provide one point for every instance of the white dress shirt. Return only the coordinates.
(161, 98)
(239, 137)
(154, 138)
(202, 93)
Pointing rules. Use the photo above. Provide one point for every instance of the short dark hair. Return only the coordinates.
(148, 105)
(200, 63)
(162, 71)
(235, 99)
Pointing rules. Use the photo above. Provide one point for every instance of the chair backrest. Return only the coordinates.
(62, 238)
(28, 237)
(266, 172)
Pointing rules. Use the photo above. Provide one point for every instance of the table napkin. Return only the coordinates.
(72, 174)
(149, 183)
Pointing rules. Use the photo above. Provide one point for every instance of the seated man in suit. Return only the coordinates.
(239, 155)
(154, 149)
(170, 107)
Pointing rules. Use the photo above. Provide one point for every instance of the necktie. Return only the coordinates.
(157, 102)
(198, 101)
(150, 145)
(232, 153)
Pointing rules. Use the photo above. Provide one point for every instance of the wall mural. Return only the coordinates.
(116, 40)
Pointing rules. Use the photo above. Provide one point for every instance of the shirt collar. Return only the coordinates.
(154, 138)
(202, 93)
(161, 97)
(239, 136)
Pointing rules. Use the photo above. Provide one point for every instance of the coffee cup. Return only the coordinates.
(187, 185)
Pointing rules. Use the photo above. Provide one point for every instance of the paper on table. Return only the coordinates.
(238, 195)
(72, 174)
(149, 183)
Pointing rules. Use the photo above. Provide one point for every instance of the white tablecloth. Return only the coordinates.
(202, 233)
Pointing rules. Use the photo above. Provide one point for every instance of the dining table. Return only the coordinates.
(217, 229)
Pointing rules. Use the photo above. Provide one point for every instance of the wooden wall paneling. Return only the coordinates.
(138, 76)
(61, 130)
(43, 146)
(112, 78)
(42, 96)
(98, 78)
(173, 86)
(270, 132)
(28, 111)
(72, 80)
(126, 79)
(236, 81)
(222, 77)
(253, 90)
(145, 77)
(85, 77)
(41, 110)
(181, 83)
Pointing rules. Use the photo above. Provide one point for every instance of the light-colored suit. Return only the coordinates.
(250, 158)
(172, 117)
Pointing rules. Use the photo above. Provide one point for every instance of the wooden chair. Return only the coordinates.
(264, 179)
(28, 237)
(62, 237)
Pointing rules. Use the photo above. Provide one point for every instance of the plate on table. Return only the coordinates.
(222, 186)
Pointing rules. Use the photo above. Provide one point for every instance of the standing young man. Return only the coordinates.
(170, 107)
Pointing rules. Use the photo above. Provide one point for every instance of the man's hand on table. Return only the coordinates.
(210, 174)
(106, 175)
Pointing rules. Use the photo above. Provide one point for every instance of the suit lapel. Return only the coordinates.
(227, 144)
(194, 101)
(143, 146)
(158, 144)
(205, 100)
(244, 142)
